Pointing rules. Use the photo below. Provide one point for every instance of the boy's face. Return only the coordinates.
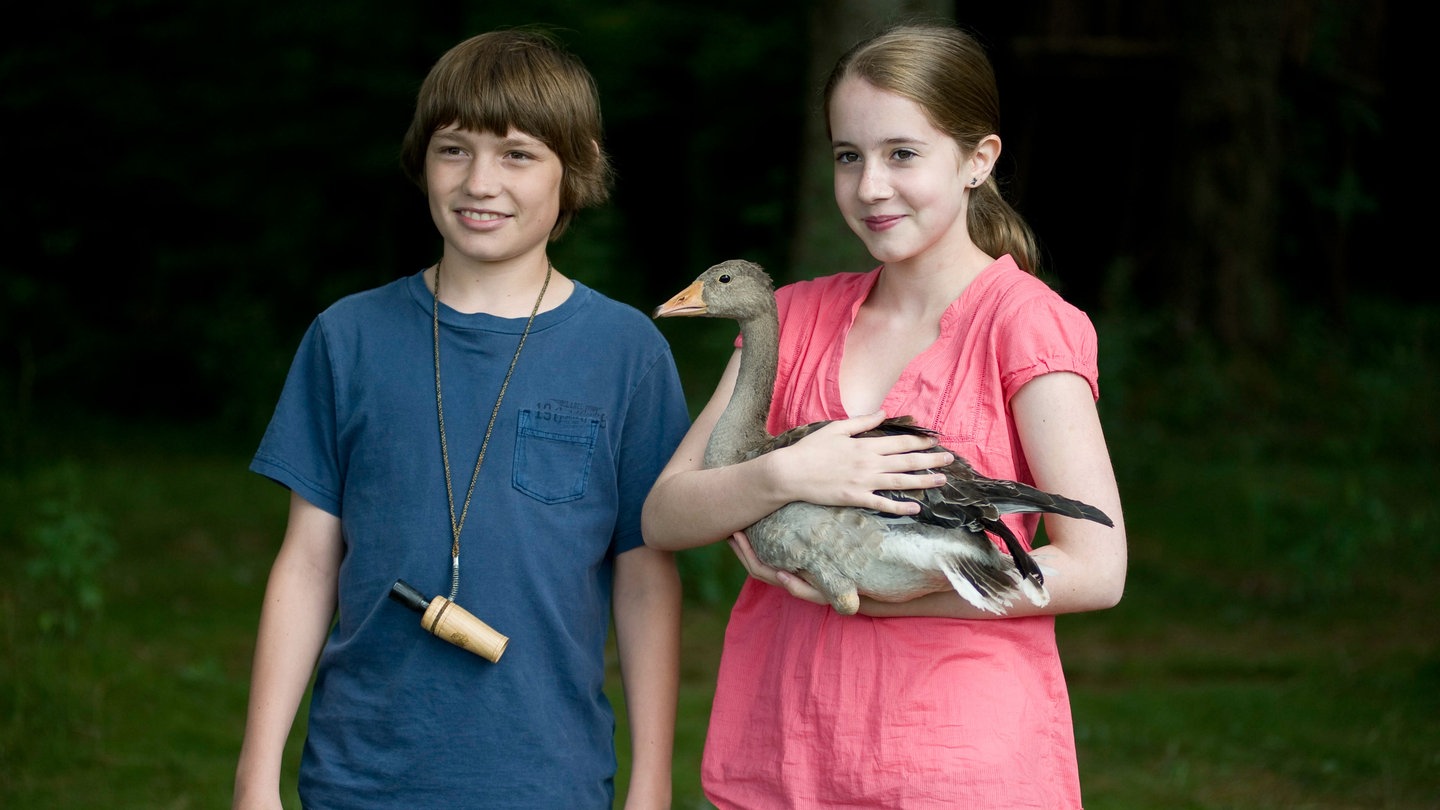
(494, 198)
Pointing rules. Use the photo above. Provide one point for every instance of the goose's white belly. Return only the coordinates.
(891, 560)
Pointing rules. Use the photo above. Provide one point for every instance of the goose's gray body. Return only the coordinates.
(847, 551)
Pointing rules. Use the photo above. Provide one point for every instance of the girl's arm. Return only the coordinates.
(691, 506)
(1084, 563)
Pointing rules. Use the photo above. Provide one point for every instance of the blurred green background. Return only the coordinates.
(1225, 187)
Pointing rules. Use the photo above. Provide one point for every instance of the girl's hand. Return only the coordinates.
(833, 466)
(792, 583)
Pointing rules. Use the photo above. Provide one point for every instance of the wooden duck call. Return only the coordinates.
(447, 620)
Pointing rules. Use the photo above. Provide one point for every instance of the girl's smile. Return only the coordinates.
(901, 184)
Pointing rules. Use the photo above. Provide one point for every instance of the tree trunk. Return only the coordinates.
(1228, 176)
(822, 243)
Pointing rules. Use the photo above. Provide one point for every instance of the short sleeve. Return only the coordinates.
(1046, 334)
(656, 419)
(299, 449)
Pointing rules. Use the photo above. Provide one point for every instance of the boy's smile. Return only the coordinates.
(493, 198)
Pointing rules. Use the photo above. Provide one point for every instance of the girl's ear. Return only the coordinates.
(982, 160)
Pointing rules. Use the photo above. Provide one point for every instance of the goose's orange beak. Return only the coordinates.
(689, 301)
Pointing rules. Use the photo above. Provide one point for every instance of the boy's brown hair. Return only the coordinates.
(522, 79)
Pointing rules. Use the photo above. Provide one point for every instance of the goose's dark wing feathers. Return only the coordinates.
(973, 502)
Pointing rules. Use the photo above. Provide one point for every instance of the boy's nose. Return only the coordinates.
(481, 181)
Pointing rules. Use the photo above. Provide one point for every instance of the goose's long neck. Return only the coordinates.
(741, 427)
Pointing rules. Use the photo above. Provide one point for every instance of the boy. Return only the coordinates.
(568, 404)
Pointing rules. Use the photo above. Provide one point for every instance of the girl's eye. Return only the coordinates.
(846, 158)
(518, 155)
(904, 154)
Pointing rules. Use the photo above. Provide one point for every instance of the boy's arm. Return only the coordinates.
(300, 600)
(647, 639)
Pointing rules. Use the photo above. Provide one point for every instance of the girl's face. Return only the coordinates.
(900, 182)
(494, 198)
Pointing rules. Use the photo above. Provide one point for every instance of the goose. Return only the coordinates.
(846, 551)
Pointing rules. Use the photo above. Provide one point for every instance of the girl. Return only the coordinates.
(927, 703)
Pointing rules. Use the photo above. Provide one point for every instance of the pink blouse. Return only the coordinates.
(814, 709)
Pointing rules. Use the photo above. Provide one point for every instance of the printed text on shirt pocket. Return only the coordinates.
(552, 465)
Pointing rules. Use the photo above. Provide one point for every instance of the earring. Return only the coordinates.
(974, 181)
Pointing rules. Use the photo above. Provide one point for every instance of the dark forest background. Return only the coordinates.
(1234, 190)
(187, 184)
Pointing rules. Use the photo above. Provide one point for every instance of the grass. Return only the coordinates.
(1278, 644)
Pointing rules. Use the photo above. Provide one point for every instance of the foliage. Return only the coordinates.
(1323, 456)
(196, 181)
(1276, 646)
(70, 548)
(245, 160)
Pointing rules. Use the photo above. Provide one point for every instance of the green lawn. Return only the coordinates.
(1278, 645)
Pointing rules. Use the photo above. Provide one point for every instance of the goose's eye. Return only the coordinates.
(725, 279)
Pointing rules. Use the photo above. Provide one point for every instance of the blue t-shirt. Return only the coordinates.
(401, 718)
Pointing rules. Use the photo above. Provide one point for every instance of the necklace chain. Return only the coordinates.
(457, 525)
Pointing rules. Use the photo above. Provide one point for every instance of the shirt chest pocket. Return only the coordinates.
(553, 455)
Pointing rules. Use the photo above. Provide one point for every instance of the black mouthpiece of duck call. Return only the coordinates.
(403, 593)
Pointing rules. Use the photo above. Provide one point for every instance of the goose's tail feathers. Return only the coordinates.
(990, 588)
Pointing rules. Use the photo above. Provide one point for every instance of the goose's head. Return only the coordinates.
(736, 289)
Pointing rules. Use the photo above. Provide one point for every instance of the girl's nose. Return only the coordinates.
(874, 184)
